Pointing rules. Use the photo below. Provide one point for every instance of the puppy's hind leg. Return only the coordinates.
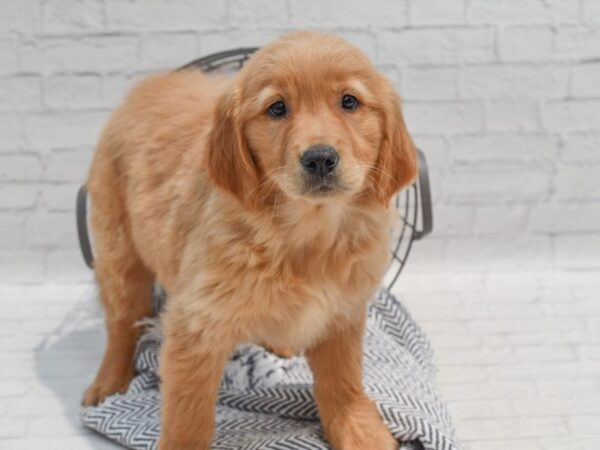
(125, 287)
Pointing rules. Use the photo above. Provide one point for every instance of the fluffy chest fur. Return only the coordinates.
(282, 278)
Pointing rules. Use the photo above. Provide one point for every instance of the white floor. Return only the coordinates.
(519, 358)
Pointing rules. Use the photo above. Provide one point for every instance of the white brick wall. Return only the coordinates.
(504, 97)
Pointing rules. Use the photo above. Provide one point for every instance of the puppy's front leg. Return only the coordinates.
(191, 369)
(349, 418)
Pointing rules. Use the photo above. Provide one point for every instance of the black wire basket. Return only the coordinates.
(413, 204)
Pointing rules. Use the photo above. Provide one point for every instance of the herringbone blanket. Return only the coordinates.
(266, 402)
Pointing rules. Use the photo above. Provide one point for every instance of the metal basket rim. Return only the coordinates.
(420, 187)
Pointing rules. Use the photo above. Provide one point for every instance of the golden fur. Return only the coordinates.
(194, 185)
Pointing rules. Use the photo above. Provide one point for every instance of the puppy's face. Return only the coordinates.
(313, 131)
(314, 120)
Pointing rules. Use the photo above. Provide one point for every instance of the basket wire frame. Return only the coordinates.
(413, 200)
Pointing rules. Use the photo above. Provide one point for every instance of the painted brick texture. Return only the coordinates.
(504, 98)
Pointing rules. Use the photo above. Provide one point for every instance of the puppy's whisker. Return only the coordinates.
(263, 186)
(379, 170)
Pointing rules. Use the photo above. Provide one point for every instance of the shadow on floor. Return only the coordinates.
(66, 362)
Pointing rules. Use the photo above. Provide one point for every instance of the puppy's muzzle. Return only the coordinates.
(319, 160)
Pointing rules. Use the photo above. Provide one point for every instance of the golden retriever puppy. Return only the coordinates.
(260, 203)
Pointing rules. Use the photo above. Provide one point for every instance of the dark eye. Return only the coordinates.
(349, 102)
(277, 109)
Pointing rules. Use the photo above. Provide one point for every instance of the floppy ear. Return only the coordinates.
(396, 165)
(228, 160)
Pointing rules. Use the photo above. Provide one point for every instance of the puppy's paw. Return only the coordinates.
(104, 387)
(359, 427)
(282, 352)
(166, 443)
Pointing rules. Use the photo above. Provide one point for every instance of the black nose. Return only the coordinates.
(319, 160)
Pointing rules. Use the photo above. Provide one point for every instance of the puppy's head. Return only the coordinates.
(310, 118)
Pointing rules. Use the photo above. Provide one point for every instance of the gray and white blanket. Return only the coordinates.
(266, 402)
